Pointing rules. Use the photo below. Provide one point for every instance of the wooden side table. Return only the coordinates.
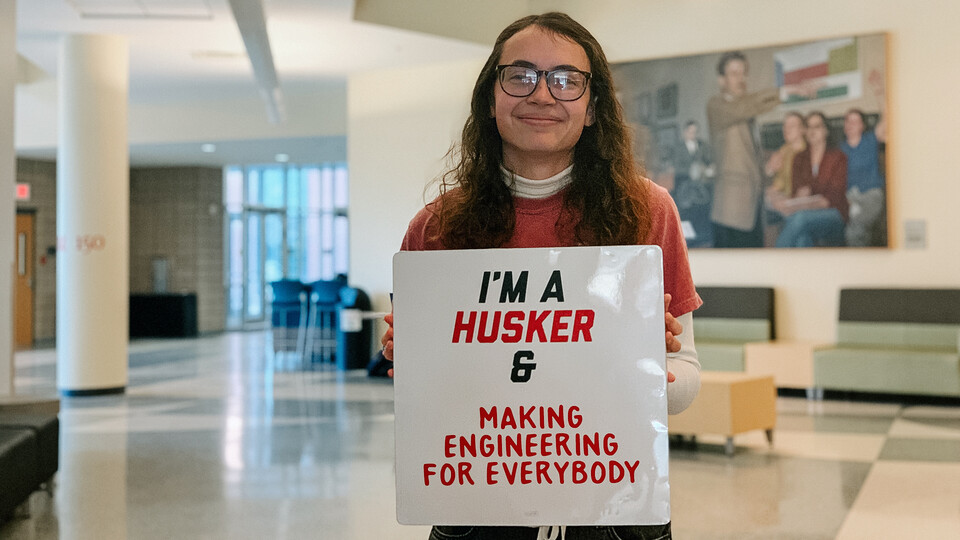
(729, 403)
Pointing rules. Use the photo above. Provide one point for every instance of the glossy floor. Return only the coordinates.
(216, 438)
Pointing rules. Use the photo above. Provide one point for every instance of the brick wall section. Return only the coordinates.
(175, 213)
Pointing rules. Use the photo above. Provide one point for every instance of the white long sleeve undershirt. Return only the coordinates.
(685, 366)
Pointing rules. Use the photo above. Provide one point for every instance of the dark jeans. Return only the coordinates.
(727, 237)
(809, 228)
(624, 532)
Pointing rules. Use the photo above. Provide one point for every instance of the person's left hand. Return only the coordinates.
(673, 329)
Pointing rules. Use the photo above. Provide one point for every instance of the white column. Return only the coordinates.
(8, 78)
(93, 184)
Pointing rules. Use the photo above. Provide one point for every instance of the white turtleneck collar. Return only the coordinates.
(537, 189)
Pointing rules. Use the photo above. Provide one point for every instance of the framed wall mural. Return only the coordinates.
(667, 137)
(643, 107)
(779, 146)
(667, 101)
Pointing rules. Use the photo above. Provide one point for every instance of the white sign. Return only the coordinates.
(351, 320)
(530, 387)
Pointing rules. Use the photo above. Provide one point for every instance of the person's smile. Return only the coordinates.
(539, 119)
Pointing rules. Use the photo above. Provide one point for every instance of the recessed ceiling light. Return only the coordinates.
(282, 158)
(218, 55)
(208, 148)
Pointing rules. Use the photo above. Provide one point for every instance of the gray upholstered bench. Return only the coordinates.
(729, 318)
(18, 466)
(894, 341)
(46, 430)
(29, 451)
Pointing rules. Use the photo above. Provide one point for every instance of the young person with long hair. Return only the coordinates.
(545, 160)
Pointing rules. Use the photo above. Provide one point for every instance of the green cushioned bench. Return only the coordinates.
(729, 318)
(894, 341)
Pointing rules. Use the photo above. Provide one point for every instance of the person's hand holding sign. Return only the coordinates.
(672, 326)
(673, 329)
(387, 342)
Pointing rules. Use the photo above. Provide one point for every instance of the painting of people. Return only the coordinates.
(780, 146)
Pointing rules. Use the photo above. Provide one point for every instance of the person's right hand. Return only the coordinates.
(387, 341)
(875, 80)
(774, 163)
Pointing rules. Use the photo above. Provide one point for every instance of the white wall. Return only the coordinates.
(458, 19)
(8, 77)
(400, 125)
(924, 131)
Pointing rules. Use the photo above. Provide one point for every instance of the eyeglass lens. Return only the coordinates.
(563, 84)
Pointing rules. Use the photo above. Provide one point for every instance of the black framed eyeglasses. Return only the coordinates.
(564, 84)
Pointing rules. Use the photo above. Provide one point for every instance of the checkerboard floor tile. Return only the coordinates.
(217, 438)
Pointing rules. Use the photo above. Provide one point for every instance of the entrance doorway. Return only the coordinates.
(265, 253)
(24, 280)
(283, 221)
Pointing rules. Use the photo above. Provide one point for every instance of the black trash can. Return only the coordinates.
(354, 332)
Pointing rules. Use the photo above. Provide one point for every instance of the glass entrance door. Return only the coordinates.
(281, 222)
(264, 256)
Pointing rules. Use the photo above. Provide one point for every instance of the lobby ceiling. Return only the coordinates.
(192, 51)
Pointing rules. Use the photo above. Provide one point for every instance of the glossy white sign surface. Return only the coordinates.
(530, 387)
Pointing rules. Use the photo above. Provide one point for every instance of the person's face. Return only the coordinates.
(734, 78)
(816, 131)
(853, 126)
(793, 129)
(690, 133)
(539, 127)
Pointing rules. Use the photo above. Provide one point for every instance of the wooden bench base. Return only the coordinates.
(790, 362)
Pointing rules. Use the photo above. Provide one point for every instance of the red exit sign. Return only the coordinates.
(23, 192)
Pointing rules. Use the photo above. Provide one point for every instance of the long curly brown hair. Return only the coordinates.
(607, 192)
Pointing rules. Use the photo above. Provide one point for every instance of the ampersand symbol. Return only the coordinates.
(522, 370)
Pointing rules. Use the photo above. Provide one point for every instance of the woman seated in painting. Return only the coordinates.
(816, 214)
(780, 164)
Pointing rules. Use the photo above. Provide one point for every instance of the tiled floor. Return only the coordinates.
(217, 439)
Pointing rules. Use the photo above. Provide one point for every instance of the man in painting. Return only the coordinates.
(693, 193)
(692, 157)
(736, 196)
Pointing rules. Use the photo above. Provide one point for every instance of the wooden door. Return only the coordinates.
(23, 273)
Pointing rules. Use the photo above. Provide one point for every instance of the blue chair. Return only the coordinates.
(323, 323)
(288, 314)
